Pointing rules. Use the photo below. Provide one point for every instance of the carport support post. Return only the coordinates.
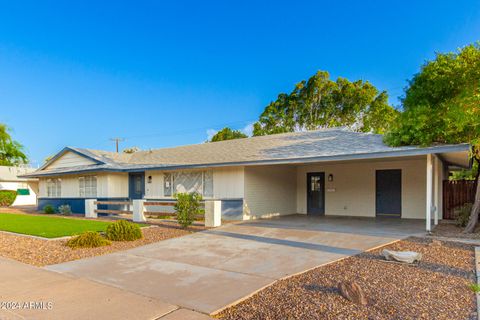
(428, 216)
(90, 208)
(435, 190)
(138, 211)
(213, 213)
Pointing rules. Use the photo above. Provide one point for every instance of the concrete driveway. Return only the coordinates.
(210, 270)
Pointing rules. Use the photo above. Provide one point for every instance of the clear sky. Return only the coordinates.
(166, 73)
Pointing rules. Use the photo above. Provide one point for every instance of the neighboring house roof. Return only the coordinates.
(296, 147)
(10, 174)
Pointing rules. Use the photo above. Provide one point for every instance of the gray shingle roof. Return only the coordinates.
(333, 144)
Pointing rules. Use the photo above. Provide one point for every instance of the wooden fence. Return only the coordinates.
(456, 193)
(126, 204)
(165, 213)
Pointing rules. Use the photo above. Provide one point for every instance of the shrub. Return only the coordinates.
(123, 230)
(475, 287)
(7, 197)
(463, 214)
(65, 209)
(49, 209)
(187, 207)
(88, 239)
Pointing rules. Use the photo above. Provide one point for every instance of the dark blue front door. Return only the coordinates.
(389, 193)
(316, 193)
(136, 185)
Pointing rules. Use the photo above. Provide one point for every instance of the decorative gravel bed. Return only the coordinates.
(451, 230)
(39, 252)
(435, 288)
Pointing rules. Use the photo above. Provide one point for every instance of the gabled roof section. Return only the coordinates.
(66, 150)
(336, 144)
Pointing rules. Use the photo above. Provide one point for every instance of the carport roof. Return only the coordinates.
(298, 147)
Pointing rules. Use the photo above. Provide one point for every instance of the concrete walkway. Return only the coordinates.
(210, 270)
(28, 292)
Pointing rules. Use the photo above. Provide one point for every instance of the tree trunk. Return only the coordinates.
(473, 220)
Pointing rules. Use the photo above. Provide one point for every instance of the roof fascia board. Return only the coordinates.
(359, 156)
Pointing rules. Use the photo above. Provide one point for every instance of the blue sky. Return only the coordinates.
(164, 73)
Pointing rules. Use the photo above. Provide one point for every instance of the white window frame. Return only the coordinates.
(87, 186)
(169, 184)
(54, 188)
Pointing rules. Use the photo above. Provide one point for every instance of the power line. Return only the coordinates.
(117, 140)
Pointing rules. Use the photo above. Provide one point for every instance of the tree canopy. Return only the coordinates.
(11, 151)
(228, 134)
(442, 102)
(322, 103)
(442, 105)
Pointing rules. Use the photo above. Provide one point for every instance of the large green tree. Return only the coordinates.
(442, 105)
(11, 151)
(228, 134)
(321, 102)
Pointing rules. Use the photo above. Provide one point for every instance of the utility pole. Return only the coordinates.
(117, 140)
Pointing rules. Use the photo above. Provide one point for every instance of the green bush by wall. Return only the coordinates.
(7, 197)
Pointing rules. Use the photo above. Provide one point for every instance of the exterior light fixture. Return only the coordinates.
(330, 177)
(149, 179)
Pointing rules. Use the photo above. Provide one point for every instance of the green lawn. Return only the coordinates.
(48, 226)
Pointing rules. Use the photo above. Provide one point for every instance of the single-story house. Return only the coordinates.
(26, 188)
(323, 172)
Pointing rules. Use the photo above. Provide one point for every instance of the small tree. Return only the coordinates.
(187, 207)
(11, 151)
(228, 134)
(441, 105)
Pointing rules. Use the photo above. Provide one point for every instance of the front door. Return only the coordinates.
(316, 193)
(136, 185)
(389, 193)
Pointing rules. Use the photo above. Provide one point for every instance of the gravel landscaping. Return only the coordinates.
(435, 288)
(40, 252)
(451, 230)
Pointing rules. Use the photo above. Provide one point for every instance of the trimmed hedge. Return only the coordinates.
(123, 230)
(7, 197)
(88, 239)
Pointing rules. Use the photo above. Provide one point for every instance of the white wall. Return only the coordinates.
(117, 185)
(111, 185)
(269, 191)
(228, 183)
(70, 159)
(354, 185)
(22, 200)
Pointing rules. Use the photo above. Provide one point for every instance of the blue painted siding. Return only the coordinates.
(77, 204)
(232, 209)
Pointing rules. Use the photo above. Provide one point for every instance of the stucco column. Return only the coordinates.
(90, 208)
(213, 213)
(138, 211)
(428, 214)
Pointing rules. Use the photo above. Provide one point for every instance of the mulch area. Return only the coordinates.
(451, 230)
(435, 288)
(40, 252)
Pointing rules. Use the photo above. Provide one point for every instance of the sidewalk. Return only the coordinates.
(27, 292)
